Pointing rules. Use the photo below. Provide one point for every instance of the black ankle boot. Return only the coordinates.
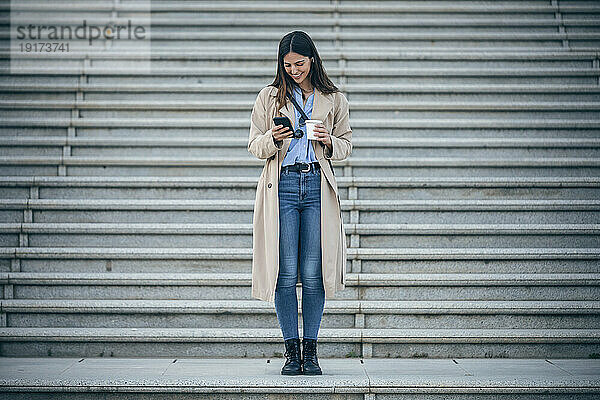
(293, 364)
(310, 362)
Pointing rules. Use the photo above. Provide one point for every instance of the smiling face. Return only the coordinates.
(297, 66)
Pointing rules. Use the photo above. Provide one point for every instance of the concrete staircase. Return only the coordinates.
(471, 200)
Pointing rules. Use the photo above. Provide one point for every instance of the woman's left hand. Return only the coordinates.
(323, 136)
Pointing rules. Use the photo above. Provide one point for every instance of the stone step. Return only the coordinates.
(231, 53)
(237, 106)
(213, 143)
(266, 73)
(415, 167)
(458, 42)
(354, 279)
(363, 95)
(241, 211)
(244, 205)
(376, 131)
(322, 28)
(233, 287)
(351, 38)
(238, 260)
(382, 111)
(169, 76)
(436, 109)
(238, 378)
(434, 287)
(205, 119)
(340, 314)
(486, 29)
(352, 58)
(244, 188)
(323, 23)
(252, 89)
(240, 235)
(244, 123)
(211, 102)
(265, 342)
(397, 6)
(350, 228)
(47, 146)
(204, 57)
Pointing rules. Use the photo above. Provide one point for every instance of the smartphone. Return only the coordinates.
(285, 121)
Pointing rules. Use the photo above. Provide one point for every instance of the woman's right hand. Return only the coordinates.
(280, 132)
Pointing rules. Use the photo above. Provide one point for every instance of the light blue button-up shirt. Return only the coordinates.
(300, 150)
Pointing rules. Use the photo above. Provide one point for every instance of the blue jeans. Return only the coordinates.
(300, 243)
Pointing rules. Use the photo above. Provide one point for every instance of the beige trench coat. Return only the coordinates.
(332, 109)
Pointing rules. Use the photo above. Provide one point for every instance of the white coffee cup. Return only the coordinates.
(310, 128)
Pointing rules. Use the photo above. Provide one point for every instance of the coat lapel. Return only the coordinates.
(322, 106)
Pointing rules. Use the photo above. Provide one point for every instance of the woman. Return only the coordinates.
(297, 224)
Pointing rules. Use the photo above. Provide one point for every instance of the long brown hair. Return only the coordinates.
(299, 42)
